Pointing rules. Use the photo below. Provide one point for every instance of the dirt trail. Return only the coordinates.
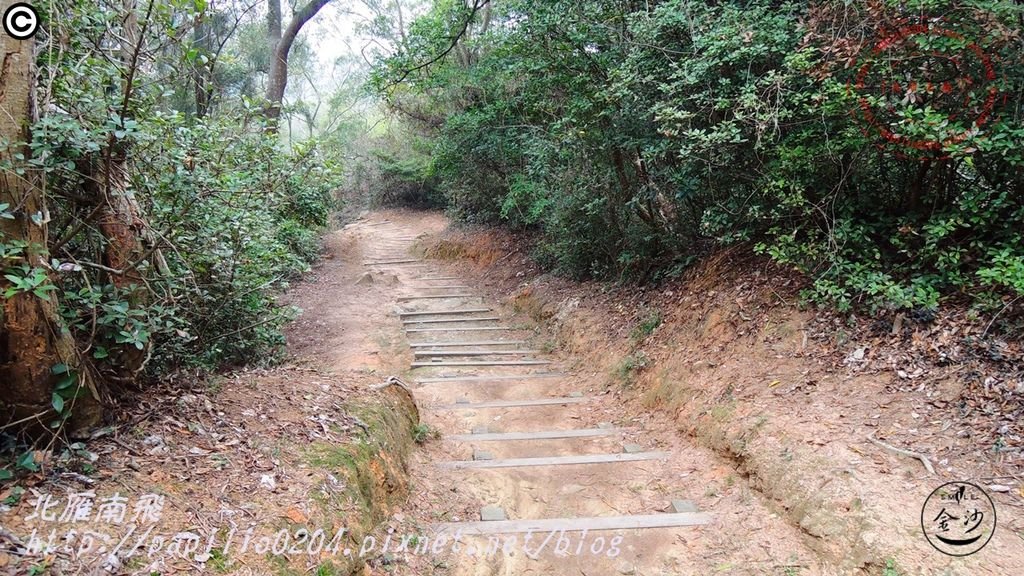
(744, 536)
(287, 448)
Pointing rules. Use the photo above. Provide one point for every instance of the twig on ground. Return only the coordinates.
(924, 460)
(78, 478)
(124, 445)
(1001, 310)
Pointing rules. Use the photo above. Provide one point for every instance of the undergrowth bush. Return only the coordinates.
(171, 231)
(396, 170)
(242, 218)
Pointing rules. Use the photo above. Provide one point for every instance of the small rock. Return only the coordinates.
(492, 514)
(482, 455)
(267, 481)
(112, 563)
(365, 279)
(683, 506)
(159, 450)
(999, 488)
(153, 440)
(632, 448)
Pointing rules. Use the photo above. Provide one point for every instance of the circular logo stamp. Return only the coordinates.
(21, 21)
(925, 87)
(958, 518)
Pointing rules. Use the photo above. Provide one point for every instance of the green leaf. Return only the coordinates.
(27, 461)
(66, 382)
(59, 368)
(58, 402)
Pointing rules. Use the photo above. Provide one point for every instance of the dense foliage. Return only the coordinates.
(875, 146)
(232, 214)
(173, 211)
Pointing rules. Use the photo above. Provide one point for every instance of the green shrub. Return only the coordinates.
(635, 138)
(224, 215)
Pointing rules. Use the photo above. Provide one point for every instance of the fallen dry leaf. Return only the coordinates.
(296, 515)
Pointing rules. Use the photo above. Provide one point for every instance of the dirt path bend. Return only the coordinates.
(532, 471)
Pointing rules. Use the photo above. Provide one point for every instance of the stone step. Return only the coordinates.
(436, 297)
(557, 460)
(452, 320)
(496, 378)
(544, 526)
(477, 343)
(541, 435)
(512, 403)
(391, 262)
(481, 363)
(458, 329)
(440, 353)
(443, 312)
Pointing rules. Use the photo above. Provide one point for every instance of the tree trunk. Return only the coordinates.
(277, 79)
(273, 24)
(202, 73)
(32, 336)
(121, 219)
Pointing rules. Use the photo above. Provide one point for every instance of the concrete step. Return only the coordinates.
(440, 353)
(512, 403)
(480, 363)
(541, 435)
(443, 312)
(545, 526)
(557, 460)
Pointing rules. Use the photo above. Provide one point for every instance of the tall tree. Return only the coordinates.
(33, 340)
(282, 41)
